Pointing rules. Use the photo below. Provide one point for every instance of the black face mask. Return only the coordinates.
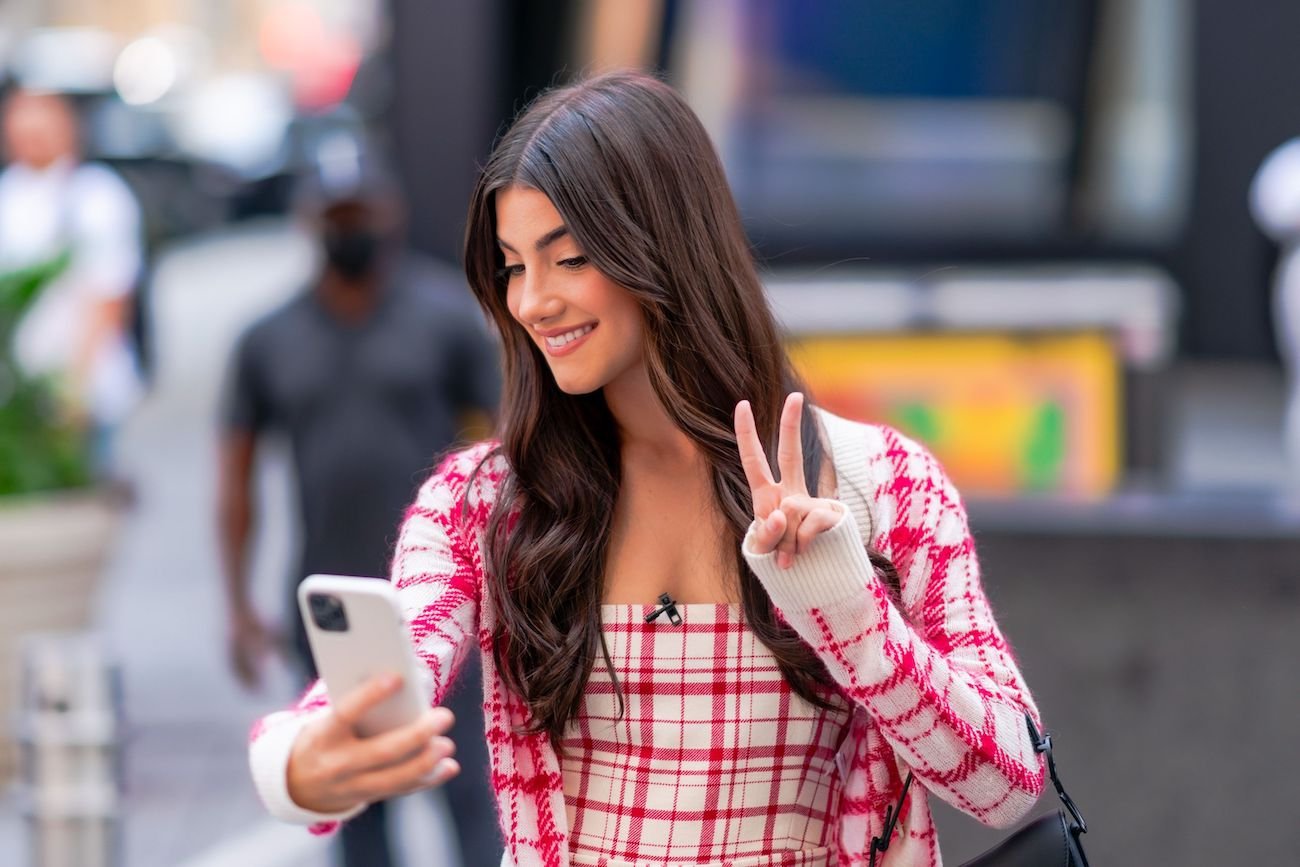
(353, 253)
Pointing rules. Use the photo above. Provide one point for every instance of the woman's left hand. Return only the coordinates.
(787, 518)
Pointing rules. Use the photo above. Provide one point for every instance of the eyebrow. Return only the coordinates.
(543, 242)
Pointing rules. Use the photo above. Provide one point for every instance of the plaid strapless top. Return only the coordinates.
(715, 759)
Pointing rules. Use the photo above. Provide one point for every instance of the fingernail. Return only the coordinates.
(441, 771)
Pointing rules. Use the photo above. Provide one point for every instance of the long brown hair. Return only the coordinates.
(636, 180)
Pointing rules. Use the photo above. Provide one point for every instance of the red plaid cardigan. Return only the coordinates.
(934, 684)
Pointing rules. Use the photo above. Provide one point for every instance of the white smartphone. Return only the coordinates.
(356, 631)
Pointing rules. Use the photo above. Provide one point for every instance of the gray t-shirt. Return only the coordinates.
(366, 407)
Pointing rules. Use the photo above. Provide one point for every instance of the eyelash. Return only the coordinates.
(573, 263)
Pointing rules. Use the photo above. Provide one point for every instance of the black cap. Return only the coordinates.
(342, 170)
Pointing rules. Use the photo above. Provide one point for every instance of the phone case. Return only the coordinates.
(376, 641)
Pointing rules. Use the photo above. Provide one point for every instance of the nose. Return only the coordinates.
(537, 304)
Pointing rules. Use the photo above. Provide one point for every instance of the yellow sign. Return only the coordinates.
(1005, 414)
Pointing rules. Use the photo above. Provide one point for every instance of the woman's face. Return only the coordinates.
(588, 327)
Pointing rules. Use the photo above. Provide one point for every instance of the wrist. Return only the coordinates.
(302, 789)
(269, 756)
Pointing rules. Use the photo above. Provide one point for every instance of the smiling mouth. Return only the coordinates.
(560, 341)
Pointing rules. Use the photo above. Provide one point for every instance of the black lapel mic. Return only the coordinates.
(666, 606)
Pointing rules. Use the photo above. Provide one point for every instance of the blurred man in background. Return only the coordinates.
(52, 204)
(369, 374)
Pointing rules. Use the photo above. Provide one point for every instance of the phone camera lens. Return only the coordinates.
(328, 612)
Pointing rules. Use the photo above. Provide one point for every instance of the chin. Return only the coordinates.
(573, 379)
(576, 387)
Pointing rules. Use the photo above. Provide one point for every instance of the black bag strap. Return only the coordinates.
(1042, 744)
(881, 843)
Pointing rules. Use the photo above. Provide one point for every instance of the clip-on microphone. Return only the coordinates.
(666, 606)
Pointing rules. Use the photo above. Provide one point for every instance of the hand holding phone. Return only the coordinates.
(381, 738)
(332, 769)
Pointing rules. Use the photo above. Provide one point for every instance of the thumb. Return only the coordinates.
(354, 705)
(768, 532)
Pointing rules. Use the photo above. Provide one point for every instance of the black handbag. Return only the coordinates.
(1048, 841)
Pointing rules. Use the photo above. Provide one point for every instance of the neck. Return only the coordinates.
(55, 164)
(349, 299)
(646, 431)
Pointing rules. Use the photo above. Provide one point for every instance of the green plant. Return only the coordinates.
(41, 448)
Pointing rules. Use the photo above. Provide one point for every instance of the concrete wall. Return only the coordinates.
(1167, 671)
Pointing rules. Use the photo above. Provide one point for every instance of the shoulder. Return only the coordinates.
(98, 186)
(902, 479)
(268, 341)
(426, 270)
(432, 281)
(463, 487)
(99, 178)
(435, 288)
(276, 325)
(877, 450)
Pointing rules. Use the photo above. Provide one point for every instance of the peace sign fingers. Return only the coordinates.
(789, 448)
(766, 491)
(787, 519)
(754, 460)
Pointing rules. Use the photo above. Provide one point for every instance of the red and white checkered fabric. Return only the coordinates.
(715, 760)
(933, 683)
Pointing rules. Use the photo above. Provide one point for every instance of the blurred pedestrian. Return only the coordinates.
(368, 374)
(1275, 204)
(691, 662)
(51, 204)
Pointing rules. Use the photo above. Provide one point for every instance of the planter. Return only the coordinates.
(53, 549)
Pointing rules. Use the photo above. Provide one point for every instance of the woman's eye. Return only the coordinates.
(573, 263)
(510, 271)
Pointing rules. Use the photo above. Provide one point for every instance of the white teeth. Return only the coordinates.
(567, 337)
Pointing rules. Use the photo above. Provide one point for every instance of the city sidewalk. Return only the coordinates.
(189, 801)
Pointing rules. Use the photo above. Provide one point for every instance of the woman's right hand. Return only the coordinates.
(332, 770)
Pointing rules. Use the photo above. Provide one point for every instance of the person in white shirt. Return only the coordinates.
(51, 203)
(1275, 205)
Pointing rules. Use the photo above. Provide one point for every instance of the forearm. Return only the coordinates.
(434, 571)
(954, 714)
(106, 322)
(235, 513)
(234, 530)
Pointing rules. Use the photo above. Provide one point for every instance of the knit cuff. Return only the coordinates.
(834, 567)
(268, 759)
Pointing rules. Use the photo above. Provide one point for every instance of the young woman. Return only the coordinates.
(824, 629)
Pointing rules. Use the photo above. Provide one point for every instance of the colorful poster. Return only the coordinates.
(1005, 414)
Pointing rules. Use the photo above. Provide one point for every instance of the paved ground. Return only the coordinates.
(189, 801)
